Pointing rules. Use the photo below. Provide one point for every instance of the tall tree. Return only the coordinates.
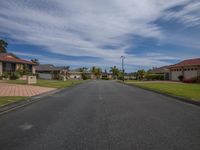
(83, 71)
(35, 61)
(3, 46)
(98, 72)
(115, 72)
(93, 70)
(140, 74)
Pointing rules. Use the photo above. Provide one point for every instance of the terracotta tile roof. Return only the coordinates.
(9, 57)
(188, 62)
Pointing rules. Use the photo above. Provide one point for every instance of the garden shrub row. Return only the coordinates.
(154, 77)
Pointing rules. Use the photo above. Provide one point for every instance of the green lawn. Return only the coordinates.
(190, 91)
(50, 83)
(4, 100)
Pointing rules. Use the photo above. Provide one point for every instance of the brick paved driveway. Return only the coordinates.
(22, 90)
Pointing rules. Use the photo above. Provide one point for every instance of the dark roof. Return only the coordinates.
(49, 67)
(185, 63)
(9, 57)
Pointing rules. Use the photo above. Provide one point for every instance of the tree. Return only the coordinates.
(83, 70)
(140, 74)
(3, 46)
(93, 70)
(96, 71)
(115, 72)
(35, 61)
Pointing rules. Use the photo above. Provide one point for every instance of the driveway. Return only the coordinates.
(102, 115)
(21, 90)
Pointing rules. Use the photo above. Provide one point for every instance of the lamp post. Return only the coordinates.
(123, 57)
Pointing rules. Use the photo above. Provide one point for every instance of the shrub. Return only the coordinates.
(154, 77)
(105, 78)
(14, 76)
(5, 75)
(84, 77)
(191, 80)
(180, 77)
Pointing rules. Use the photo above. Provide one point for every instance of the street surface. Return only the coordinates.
(102, 115)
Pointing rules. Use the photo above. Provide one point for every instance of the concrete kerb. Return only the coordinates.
(10, 107)
(165, 94)
(19, 104)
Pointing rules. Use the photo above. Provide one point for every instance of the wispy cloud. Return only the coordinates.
(84, 28)
(189, 15)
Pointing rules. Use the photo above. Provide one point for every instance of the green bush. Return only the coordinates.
(154, 77)
(181, 77)
(14, 76)
(84, 77)
(105, 78)
(5, 75)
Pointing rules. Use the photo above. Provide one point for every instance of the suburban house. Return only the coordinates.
(189, 69)
(10, 63)
(106, 75)
(49, 71)
(74, 74)
(77, 74)
(165, 71)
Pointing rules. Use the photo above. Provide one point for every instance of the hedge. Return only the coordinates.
(154, 76)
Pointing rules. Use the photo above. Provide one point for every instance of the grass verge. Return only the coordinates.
(189, 91)
(5, 100)
(50, 83)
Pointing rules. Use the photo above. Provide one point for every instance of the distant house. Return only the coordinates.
(50, 72)
(74, 74)
(10, 63)
(106, 75)
(165, 71)
(188, 69)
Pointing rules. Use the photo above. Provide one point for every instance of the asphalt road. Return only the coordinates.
(102, 115)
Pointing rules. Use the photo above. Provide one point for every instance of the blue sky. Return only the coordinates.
(150, 33)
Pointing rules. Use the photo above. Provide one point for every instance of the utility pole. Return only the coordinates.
(123, 57)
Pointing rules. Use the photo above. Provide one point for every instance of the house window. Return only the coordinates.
(28, 68)
(9, 67)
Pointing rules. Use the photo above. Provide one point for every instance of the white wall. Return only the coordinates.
(188, 74)
(175, 74)
(33, 69)
(47, 76)
(74, 76)
(1, 68)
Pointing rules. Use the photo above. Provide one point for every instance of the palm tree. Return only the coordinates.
(3, 46)
(98, 72)
(115, 71)
(140, 74)
(93, 70)
(83, 72)
(35, 61)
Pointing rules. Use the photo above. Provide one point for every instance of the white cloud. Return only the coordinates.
(82, 28)
(189, 15)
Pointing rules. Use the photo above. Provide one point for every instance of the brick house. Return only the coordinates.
(51, 72)
(189, 69)
(165, 71)
(11, 63)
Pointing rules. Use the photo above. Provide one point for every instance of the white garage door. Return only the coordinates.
(188, 74)
(175, 75)
(45, 76)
